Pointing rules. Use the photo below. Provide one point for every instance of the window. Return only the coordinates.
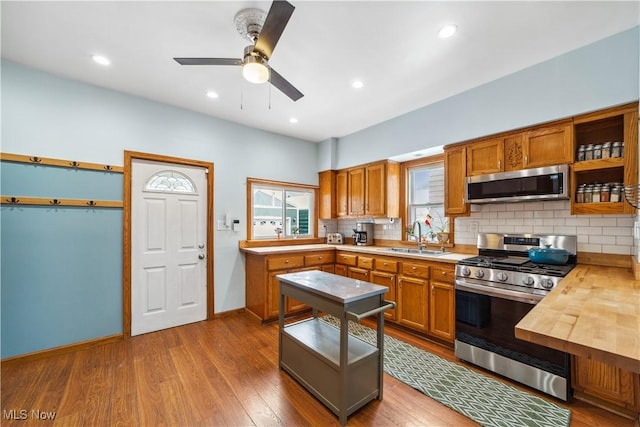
(425, 199)
(281, 210)
(170, 182)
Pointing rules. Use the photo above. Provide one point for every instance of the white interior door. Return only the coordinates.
(169, 234)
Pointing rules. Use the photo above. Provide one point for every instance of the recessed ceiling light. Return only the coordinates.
(212, 94)
(293, 120)
(102, 60)
(447, 31)
(357, 84)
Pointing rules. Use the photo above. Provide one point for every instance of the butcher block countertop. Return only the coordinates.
(594, 312)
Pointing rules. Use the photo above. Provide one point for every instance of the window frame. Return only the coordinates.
(405, 168)
(283, 186)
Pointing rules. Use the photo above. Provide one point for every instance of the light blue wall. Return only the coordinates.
(48, 116)
(596, 76)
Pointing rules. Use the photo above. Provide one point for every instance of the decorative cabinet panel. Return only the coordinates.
(613, 388)
(455, 160)
(356, 191)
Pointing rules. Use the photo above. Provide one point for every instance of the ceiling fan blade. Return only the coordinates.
(273, 26)
(284, 86)
(208, 61)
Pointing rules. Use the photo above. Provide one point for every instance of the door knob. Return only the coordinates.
(201, 256)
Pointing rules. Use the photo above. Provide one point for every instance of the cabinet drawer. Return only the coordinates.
(319, 258)
(365, 262)
(386, 265)
(285, 262)
(359, 274)
(415, 270)
(346, 259)
(443, 274)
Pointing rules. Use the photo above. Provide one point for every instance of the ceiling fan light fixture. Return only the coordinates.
(255, 70)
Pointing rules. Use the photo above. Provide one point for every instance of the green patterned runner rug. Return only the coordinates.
(485, 400)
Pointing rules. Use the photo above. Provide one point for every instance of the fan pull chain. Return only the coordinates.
(241, 96)
(269, 91)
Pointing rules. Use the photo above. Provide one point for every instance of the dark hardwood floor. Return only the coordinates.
(215, 373)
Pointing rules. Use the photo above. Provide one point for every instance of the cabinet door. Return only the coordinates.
(341, 270)
(455, 168)
(355, 187)
(441, 310)
(342, 195)
(548, 146)
(388, 280)
(412, 303)
(359, 274)
(327, 194)
(375, 197)
(485, 157)
(273, 294)
(604, 381)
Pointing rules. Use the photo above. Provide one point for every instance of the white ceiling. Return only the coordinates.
(391, 46)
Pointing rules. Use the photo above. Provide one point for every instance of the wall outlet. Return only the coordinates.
(474, 227)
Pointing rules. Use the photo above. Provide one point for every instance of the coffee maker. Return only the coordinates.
(363, 234)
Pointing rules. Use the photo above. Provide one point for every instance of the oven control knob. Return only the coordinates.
(528, 281)
(466, 271)
(502, 276)
(479, 274)
(547, 283)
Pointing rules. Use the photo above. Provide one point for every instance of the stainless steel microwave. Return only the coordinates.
(548, 183)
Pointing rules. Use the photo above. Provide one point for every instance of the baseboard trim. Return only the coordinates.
(228, 313)
(635, 266)
(69, 348)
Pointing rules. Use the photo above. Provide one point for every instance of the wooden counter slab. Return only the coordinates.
(594, 312)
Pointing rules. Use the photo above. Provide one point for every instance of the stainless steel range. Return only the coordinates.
(494, 291)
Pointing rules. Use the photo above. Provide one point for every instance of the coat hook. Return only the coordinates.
(35, 159)
(13, 200)
(55, 202)
(91, 203)
(74, 164)
(108, 167)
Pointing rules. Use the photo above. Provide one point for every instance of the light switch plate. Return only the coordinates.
(222, 226)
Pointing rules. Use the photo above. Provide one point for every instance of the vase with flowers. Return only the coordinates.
(438, 227)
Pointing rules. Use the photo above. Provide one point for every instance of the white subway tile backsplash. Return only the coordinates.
(596, 233)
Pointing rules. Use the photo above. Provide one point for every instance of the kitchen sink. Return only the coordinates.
(417, 251)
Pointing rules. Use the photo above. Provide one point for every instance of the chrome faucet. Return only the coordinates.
(419, 235)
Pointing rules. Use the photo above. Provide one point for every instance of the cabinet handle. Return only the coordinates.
(499, 163)
(286, 261)
(526, 160)
(432, 288)
(320, 257)
(444, 273)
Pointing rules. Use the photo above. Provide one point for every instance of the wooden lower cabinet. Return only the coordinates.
(606, 386)
(389, 280)
(441, 304)
(262, 287)
(413, 296)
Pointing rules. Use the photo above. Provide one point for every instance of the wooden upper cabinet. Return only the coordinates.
(485, 157)
(369, 190)
(455, 160)
(548, 145)
(375, 199)
(356, 191)
(327, 194)
(342, 195)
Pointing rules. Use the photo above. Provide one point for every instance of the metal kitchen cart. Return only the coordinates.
(341, 370)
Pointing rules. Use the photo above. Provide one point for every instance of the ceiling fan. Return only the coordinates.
(264, 36)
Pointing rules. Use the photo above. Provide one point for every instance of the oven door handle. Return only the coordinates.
(485, 289)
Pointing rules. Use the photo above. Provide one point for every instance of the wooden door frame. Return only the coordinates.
(129, 156)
